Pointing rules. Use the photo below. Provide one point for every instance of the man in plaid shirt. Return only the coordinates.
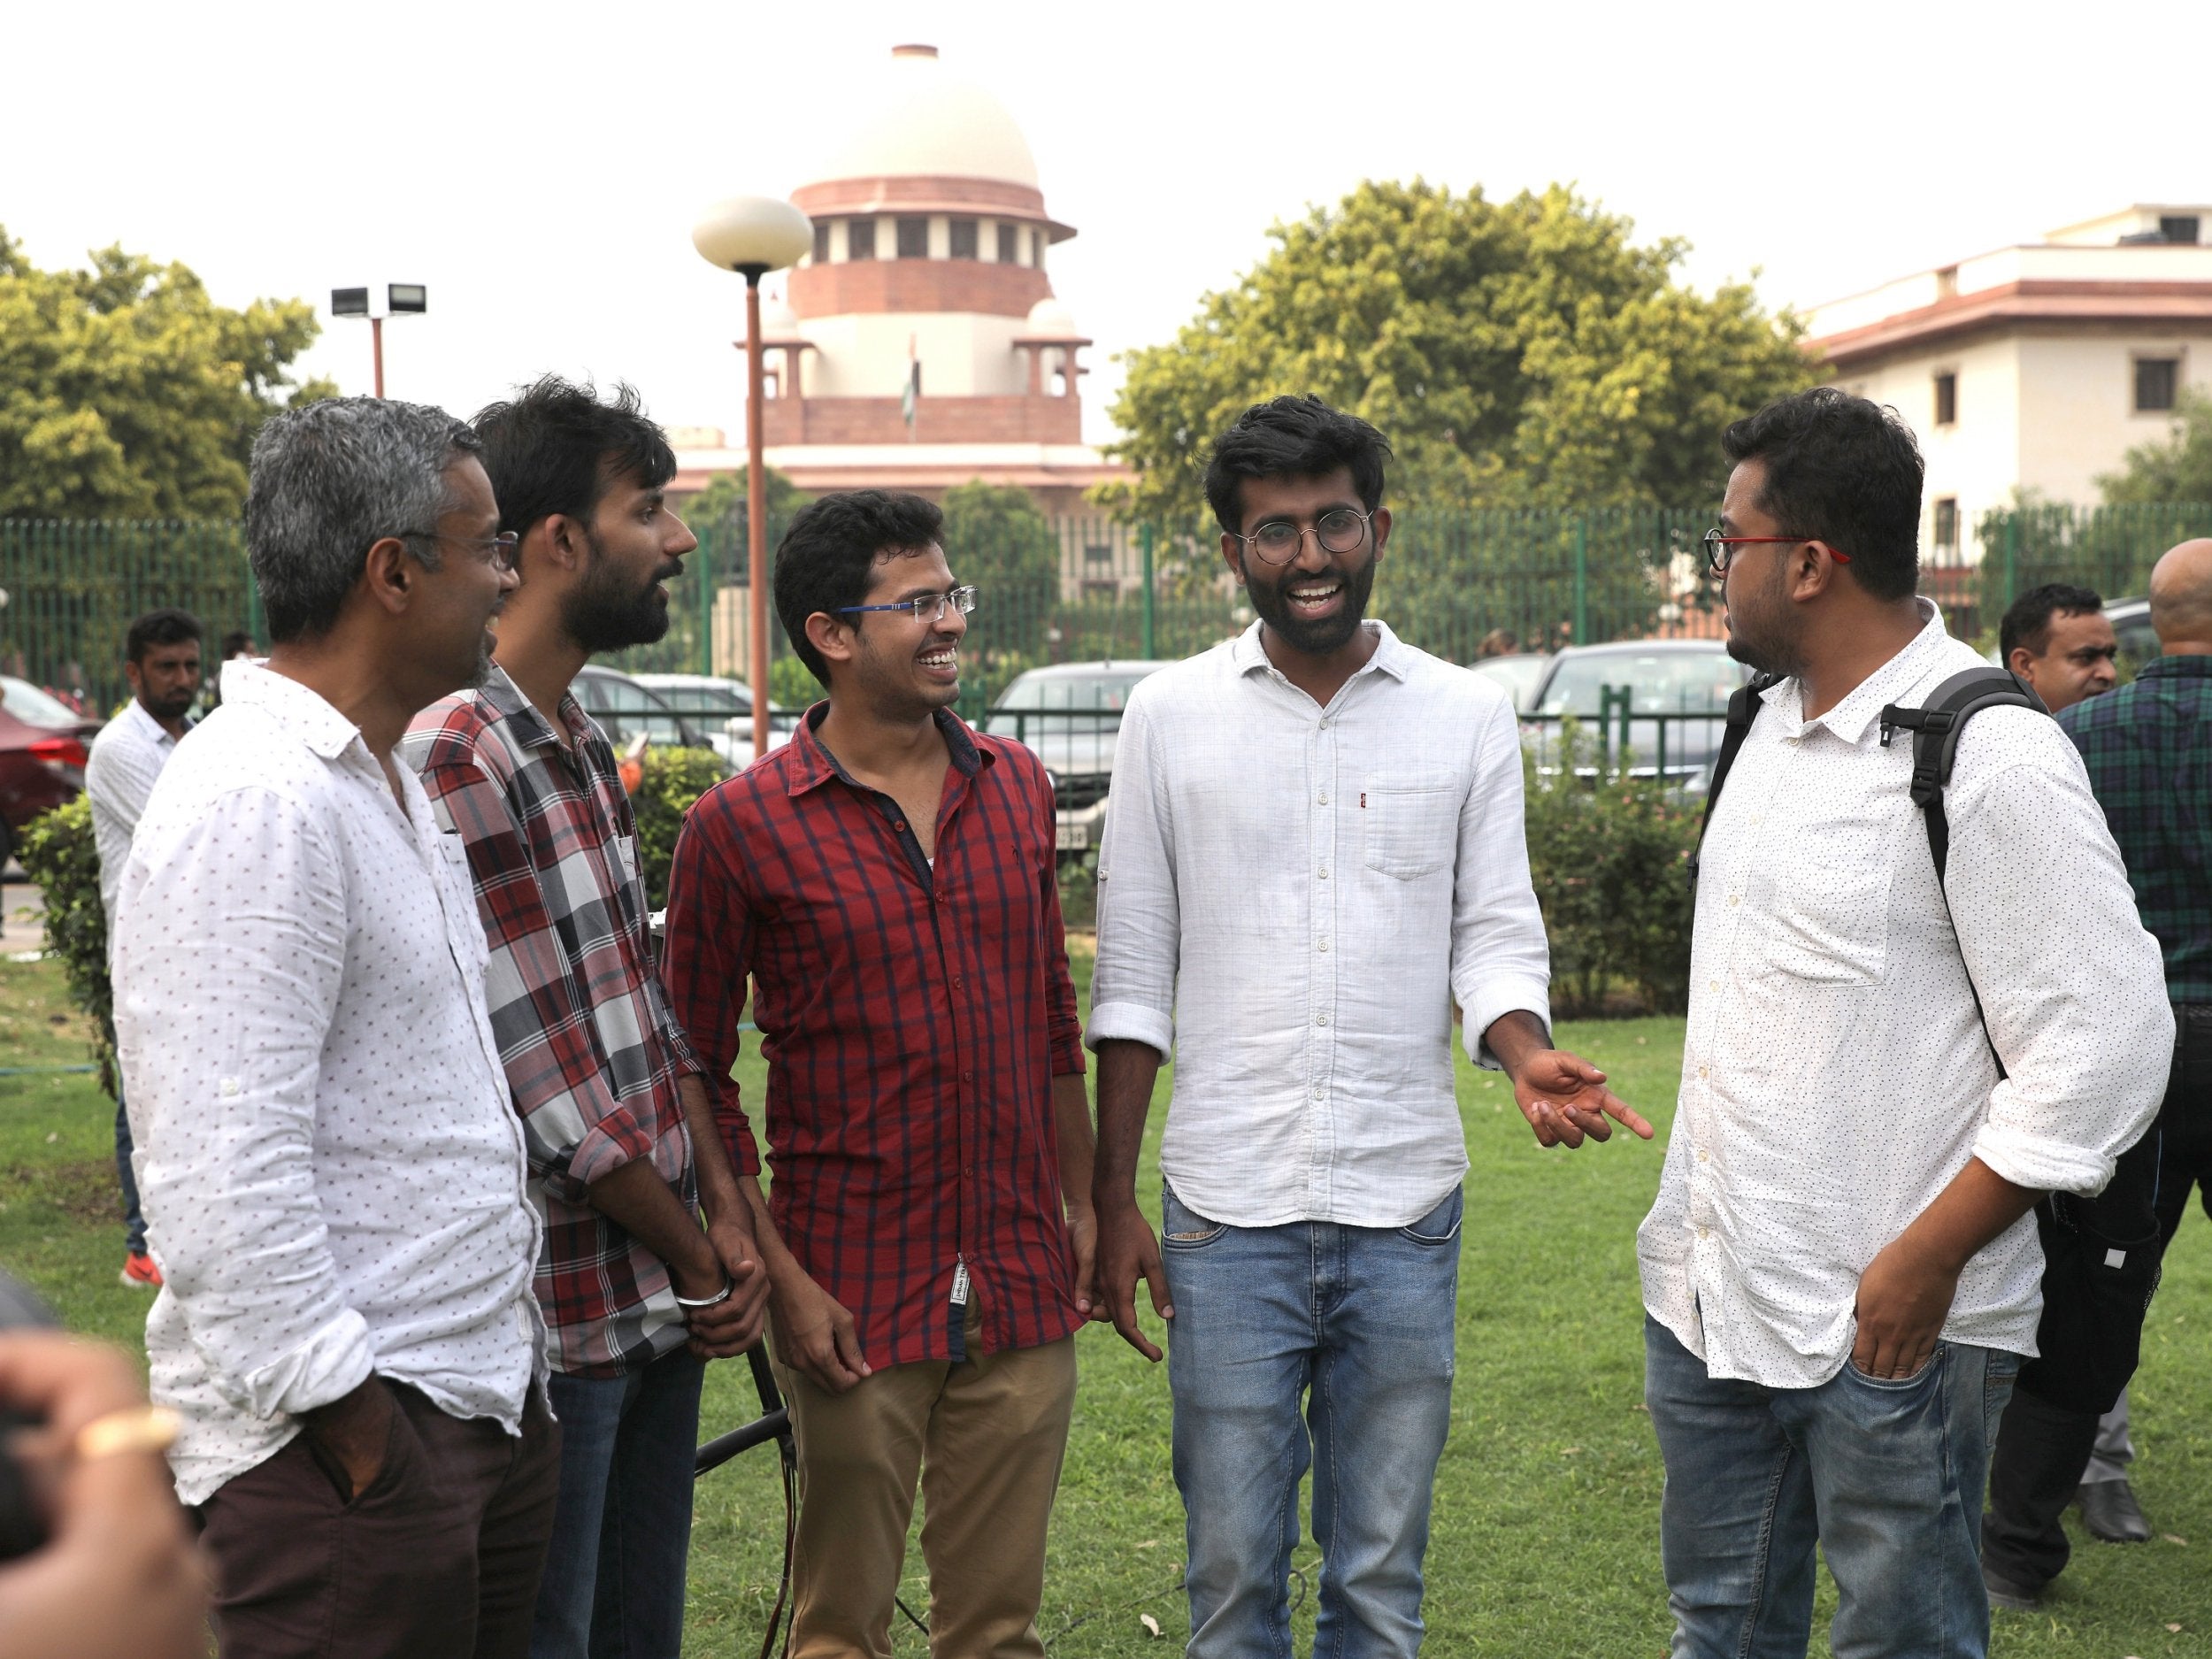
(2148, 748)
(623, 1149)
(886, 880)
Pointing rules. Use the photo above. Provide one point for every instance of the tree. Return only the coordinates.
(720, 508)
(2179, 468)
(1517, 354)
(997, 541)
(126, 393)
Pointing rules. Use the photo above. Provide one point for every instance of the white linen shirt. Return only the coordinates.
(118, 776)
(332, 1180)
(1291, 899)
(1835, 1076)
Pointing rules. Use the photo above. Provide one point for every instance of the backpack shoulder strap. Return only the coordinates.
(1935, 726)
(1743, 708)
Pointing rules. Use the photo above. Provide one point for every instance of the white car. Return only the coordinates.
(721, 710)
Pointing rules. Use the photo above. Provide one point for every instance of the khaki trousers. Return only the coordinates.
(986, 1437)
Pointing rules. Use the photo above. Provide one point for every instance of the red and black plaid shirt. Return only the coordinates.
(913, 1019)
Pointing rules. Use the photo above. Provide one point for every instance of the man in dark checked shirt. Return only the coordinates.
(636, 1293)
(886, 879)
(2148, 748)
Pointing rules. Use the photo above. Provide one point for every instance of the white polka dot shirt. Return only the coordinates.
(332, 1180)
(1835, 1076)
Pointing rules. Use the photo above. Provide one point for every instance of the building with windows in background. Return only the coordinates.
(920, 344)
(2033, 369)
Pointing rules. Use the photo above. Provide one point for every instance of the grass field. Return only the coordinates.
(1546, 1531)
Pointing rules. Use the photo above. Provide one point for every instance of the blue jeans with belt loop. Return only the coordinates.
(1357, 1322)
(1886, 1476)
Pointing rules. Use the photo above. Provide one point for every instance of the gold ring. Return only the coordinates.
(134, 1429)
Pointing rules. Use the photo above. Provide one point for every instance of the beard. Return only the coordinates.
(174, 706)
(1764, 636)
(604, 613)
(1313, 636)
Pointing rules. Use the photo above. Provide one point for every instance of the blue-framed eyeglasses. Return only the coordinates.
(926, 608)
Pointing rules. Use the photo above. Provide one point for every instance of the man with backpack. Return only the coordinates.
(1895, 1046)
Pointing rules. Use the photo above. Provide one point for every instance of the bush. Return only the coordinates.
(1610, 855)
(59, 853)
(1078, 891)
(674, 777)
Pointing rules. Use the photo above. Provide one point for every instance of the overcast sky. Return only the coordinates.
(538, 165)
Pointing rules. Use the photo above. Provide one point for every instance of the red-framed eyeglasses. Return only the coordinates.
(1718, 555)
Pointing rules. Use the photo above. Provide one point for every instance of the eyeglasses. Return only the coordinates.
(505, 547)
(1338, 530)
(927, 607)
(1718, 556)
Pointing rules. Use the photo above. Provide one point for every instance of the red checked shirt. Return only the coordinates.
(913, 1019)
(583, 1028)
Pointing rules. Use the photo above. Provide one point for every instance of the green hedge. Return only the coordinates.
(57, 852)
(674, 777)
(1610, 855)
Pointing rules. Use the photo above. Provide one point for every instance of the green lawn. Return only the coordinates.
(1546, 1538)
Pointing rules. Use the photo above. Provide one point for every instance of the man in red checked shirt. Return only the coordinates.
(886, 880)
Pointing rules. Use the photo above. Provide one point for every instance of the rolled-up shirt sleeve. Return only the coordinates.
(1140, 918)
(2072, 987)
(1500, 960)
(230, 957)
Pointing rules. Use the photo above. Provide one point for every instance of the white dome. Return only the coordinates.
(1048, 320)
(918, 119)
(777, 319)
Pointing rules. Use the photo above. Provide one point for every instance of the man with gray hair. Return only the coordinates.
(330, 1171)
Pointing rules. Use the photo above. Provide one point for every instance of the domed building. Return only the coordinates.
(920, 344)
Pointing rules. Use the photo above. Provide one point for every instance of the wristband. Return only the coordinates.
(134, 1429)
(719, 1296)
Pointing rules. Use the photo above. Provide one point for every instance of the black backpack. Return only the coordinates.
(2100, 1256)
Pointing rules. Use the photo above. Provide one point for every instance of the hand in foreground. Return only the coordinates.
(1083, 1238)
(357, 1429)
(1904, 1297)
(119, 1574)
(815, 1335)
(741, 1318)
(1564, 1098)
(1128, 1251)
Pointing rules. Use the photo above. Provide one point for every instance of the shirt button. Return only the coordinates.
(956, 982)
(1703, 1070)
(1735, 898)
(1320, 1019)
(1320, 1089)
(1322, 945)
(967, 1077)
(1702, 1233)
(900, 826)
(1712, 985)
(1703, 1157)
(228, 1087)
(1323, 872)
(1323, 800)
(1324, 724)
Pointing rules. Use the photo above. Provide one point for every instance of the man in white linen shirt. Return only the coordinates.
(1314, 850)
(161, 659)
(1841, 1272)
(333, 1177)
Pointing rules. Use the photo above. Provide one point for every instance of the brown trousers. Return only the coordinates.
(986, 1437)
(438, 1558)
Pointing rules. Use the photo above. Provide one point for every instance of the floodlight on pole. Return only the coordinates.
(401, 299)
(753, 235)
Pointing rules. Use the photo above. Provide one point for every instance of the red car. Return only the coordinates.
(45, 744)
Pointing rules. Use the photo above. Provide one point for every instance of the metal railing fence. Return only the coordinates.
(1460, 583)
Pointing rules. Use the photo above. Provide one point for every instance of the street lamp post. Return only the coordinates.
(753, 235)
(401, 299)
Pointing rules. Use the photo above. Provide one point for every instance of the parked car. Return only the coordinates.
(1679, 687)
(1520, 672)
(1070, 715)
(627, 709)
(722, 711)
(2130, 620)
(45, 744)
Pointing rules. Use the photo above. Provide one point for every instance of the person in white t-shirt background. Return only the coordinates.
(1315, 852)
(161, 655)
(1840, 1273)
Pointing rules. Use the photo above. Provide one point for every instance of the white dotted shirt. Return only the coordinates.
(118, 776)
(332, 1180)
(1835, 1078)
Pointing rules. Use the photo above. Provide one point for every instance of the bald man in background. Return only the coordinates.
(2149, 749)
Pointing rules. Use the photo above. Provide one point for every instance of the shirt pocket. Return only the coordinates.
(1410, 824)
(1828, 913)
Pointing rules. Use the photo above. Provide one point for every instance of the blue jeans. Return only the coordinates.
(614, 1577)
(1886, 1476)
(133, 1219)
(1359, 1322)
